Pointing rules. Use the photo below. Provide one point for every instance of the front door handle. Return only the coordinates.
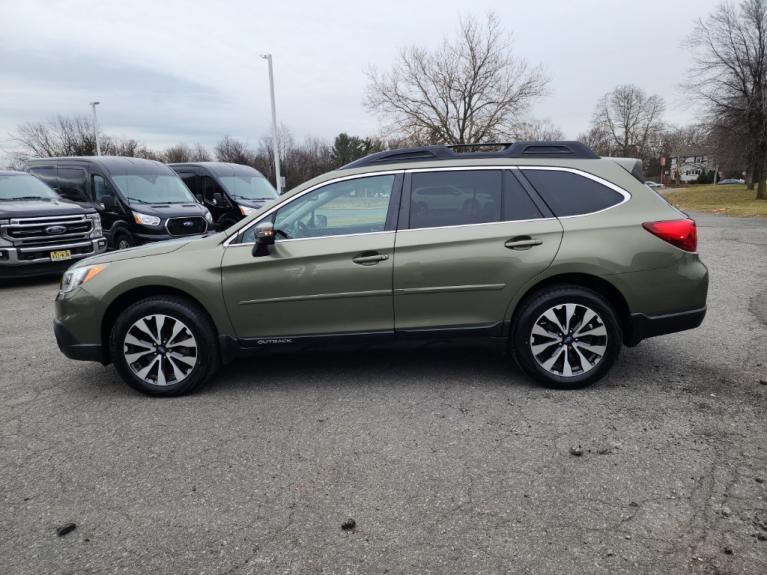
(522, 243)
(369, 258)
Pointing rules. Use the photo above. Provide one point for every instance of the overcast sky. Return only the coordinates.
(189, 71)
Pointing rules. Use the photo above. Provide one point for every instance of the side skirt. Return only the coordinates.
(232, 348)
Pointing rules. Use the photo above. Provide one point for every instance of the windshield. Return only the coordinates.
(248, 187)
(22, 187)
(154, 189)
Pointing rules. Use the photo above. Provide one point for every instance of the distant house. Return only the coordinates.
(689, 166)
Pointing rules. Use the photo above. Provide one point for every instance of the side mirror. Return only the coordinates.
(199, 198)
(218, 198)
(264, 239)
(109, 203)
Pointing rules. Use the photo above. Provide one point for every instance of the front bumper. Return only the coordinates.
(643, 326)
(73, 349)
(26, 261)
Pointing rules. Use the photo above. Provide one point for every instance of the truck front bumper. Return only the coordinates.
(26, 261)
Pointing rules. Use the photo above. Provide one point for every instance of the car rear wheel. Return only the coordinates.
(164, 345)
(566, 337)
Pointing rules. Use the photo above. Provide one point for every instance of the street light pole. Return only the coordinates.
(275, 143)
(96, 127)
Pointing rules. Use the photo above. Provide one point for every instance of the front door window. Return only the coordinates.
(355, 206)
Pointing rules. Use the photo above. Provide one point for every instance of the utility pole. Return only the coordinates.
(275, 142)
(96, 127)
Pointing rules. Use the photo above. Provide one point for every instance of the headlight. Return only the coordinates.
(78, 276)
(145, 219)
(97, 232)
(208, 217)
(4, 242)
(246, 211)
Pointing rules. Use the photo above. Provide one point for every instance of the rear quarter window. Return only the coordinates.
(569, 194)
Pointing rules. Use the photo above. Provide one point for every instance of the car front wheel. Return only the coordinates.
(165, 346)
(566, 337)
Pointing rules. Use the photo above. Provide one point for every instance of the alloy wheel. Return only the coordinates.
(160, 350)
(568, 339)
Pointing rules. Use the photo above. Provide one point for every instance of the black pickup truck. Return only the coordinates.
(41, 233)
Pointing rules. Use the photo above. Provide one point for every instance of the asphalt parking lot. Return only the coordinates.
(448, 461)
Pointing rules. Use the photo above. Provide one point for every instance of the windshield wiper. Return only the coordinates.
(137, 200)
(26, 198)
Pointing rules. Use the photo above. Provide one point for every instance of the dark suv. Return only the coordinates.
(39, 232)
(229, 191)
(139, 200)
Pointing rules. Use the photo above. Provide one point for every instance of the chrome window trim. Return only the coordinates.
(276, 241)
(504, 222)
(273, 209)
(625, 195)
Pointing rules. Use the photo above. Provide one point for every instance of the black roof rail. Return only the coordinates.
(575, 150)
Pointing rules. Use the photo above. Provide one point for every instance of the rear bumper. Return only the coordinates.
(643, 326)
(73, 349)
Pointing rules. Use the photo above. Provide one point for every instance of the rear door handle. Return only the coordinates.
(369, 258)
(522, 243)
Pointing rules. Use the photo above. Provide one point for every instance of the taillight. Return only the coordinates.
(680, 233)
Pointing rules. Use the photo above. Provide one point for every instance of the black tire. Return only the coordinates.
(123, 241)
(531, 312)
(194, 320)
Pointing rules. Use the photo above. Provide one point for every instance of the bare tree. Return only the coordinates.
(537, 130)
(185, 153)
(631, 121)
(60, 136)
(730, 74)
(472, 89)
(598, 139)
(232, 150)
(71, 136)
(730, 144)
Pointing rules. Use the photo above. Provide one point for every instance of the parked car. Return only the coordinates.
(40, 233)
(229, 191)
(140, 201)
(552, 253)
(731, 181)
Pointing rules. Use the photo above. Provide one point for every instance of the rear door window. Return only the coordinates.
(455, 198)
(570, 194)
(517, 204)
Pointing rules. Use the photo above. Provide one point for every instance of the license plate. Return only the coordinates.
(61, 255)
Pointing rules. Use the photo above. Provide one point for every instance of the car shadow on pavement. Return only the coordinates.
(434, 364)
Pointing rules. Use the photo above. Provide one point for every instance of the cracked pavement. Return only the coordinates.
(447, 458)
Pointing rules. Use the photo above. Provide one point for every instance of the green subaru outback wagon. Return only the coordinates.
(555, 254)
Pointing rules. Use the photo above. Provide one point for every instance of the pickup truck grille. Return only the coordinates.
(47, 230)
(186, 226)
